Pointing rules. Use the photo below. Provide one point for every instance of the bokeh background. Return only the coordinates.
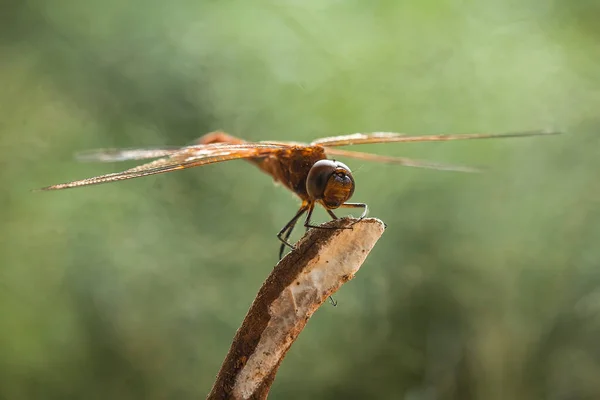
(484, 286)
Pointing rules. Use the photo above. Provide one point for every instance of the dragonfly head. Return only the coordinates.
(330, 183)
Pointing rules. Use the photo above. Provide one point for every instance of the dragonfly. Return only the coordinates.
(309, 170)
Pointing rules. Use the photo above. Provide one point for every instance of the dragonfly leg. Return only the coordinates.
(286, 231)
(357, 205)
(284, 241)
(308, 225)
(333, 216)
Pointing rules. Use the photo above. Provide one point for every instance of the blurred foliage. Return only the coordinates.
(483, 286)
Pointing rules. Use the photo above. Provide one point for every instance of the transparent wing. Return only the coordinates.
(390, 137)
(213, 140)
(112, 155)
(409, 162)
(187, 157)
(144, 153)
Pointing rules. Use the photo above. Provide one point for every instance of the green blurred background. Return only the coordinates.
(482, 287)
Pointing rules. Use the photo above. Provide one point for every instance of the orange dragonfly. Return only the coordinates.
(305, 169)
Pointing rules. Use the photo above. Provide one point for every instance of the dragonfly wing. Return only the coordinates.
(112, 155)
(144, 153)
(390, 137)
(408, 162)
(188, 157)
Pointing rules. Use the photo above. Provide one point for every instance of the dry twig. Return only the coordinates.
(322, 262)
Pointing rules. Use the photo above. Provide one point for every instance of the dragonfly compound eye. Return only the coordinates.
(330, 182)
